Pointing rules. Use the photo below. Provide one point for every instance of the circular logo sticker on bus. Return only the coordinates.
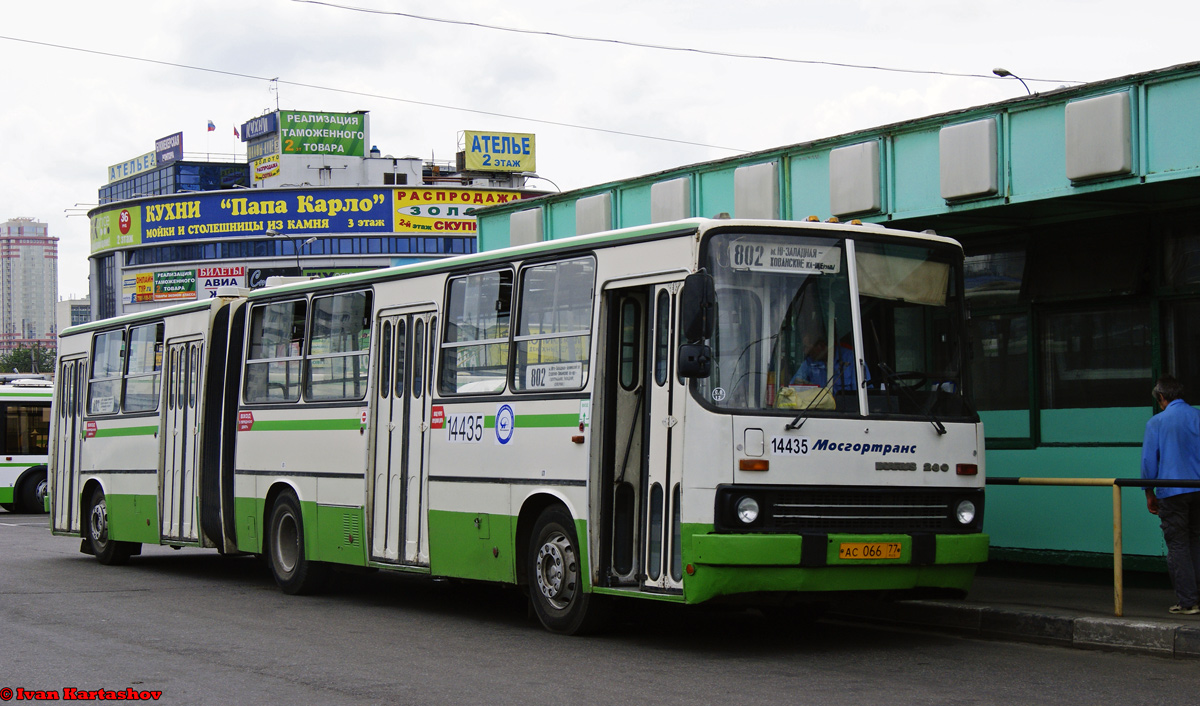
(718, 394)
(505, 421)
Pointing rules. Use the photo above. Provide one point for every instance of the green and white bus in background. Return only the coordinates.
(767, 412)
(24, 440)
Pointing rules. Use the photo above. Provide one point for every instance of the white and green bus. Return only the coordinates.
(24, 438)
(762, 411)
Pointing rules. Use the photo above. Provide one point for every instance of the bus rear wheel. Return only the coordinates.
(107, 550)
(293, 571)
(554, 576)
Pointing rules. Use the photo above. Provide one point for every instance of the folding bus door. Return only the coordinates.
(68, 444)
(181, 452)
(401, 447)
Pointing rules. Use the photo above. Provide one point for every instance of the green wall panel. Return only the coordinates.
(716, 193)
(916, 178)
(1172, 143)
(1072, 519)
(561, 222)
(1006, 423)
(493, 232)
(634, 206)
(1038, 152)
(1105, 425)
(808, 186)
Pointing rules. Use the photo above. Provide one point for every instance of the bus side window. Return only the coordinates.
(553, 338)
(108, 364)
(475, 346)
(274, 351)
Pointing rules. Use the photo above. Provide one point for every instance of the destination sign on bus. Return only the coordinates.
(791, 258)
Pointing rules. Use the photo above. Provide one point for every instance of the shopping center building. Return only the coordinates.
(1079, 210)
(311, 199)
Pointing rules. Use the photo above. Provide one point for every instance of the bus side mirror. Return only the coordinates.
(697, 306)
(695, 360)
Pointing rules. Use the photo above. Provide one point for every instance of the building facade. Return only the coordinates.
(315, 201)
(1079, 211)
(28, 285)
(72, 312)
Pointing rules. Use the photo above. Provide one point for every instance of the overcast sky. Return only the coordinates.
(66, 115)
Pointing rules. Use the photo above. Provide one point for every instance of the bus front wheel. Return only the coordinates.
(33, 491)
(293, 571)
(554, 578)
(107, 550)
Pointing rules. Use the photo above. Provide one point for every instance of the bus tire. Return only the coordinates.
(107, 551)
(293, 571)
(554, 577)
(32, 493)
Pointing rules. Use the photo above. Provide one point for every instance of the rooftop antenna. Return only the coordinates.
(274, 88)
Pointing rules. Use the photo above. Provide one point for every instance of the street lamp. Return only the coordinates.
(532, 175)
(272, 233)
(1005, 73)
(310, 241)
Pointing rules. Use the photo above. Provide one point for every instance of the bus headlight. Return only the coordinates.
(965, 512)
(747, 510)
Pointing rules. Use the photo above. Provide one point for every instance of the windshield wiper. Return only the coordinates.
(838, 368)
(893, 379)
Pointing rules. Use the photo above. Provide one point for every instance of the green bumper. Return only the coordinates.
(730, 564)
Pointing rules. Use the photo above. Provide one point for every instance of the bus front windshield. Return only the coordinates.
(783, 338)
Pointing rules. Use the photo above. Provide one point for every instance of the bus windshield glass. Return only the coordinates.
(914, 333)
(783, 338)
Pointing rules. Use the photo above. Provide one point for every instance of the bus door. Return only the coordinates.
(68, 444)
(662, 559)
(641, 448)
(401, 445)
(177, 483)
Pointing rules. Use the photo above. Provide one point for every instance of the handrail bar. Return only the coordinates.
(1117, 484)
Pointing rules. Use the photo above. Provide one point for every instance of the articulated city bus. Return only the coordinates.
(24, 438)
(762, 411)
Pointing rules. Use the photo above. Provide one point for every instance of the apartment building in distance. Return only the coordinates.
(28, 284)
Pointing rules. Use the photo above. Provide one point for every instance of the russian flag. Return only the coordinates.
(211, 126)
(235, 132)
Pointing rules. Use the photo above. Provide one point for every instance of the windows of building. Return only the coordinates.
(286, 248)
(1067, 322)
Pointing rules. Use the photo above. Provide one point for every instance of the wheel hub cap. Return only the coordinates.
(556, 570)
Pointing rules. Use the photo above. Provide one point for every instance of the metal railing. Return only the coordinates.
(1117, 484)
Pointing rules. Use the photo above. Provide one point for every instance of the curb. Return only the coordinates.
(1122, 634)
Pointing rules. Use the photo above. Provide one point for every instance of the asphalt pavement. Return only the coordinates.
(1063, 606)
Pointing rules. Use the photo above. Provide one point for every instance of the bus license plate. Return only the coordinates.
(869, 550)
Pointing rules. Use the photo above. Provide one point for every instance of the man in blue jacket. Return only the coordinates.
(1171, 451)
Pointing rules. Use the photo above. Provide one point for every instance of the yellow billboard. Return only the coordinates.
(442, 211)
(500, 151)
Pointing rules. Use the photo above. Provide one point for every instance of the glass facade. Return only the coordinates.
(286, 248)
(1082, 317)
(178, 177)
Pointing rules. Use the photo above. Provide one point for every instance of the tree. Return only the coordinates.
(22, 359)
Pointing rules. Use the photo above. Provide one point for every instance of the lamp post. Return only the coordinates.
(1005, 73)
(310, 241)
(272, 233)
(532, 175)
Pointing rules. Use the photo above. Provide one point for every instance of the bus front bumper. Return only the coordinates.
(731, 564)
